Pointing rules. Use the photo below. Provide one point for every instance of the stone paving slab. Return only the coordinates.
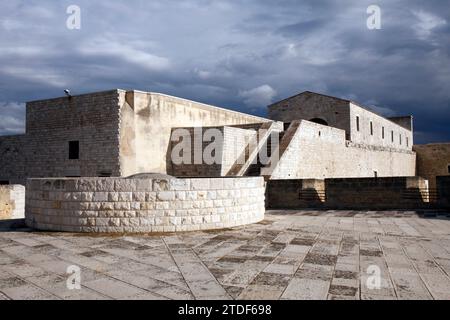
(295, 254)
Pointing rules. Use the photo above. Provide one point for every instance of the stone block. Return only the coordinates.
(104, 185)
(125, 196)
(125, 185)
(99, 196)
(86, 185)
(166, 195)
(200, 184)
(144, 185)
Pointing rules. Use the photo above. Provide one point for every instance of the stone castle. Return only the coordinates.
(321, 150)
(121, 133)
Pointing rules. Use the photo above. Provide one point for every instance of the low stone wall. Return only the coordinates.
(308, 193)
(443, 191)
(143, 205)
(350, 193)
(12, 202)
(377, 193)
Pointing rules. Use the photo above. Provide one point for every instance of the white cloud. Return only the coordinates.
(258, 97)
(203, 74)
(39, 75)
(126, 51)
(427, 22)
(12, 120)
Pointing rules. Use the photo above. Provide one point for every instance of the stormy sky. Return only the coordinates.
(238, 54)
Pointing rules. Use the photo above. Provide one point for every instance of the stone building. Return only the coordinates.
(121, 133)
(112, 133)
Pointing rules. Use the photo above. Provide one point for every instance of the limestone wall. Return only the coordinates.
(12, 202)
(395, 135)
(433, 160)
(91, 119)
(318, 152)
(353, 193)
(143, 205)
(343, 114)
(120, 133)
(191, 159)
(295, 193)
(309, 105)
(373, 194)
(153, 115)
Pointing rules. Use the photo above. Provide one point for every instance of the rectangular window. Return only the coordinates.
(382, 133)
(400, 139)
(371, 128)
(357, 123)
(392, 136)
(407, 141)
(74, 150)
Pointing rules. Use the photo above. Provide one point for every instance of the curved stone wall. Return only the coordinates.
(143, 205)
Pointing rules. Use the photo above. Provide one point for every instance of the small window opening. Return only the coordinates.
(375, 174)
(392, 136)
(382, 133)
(74, 150)
(407, 141)
(371, 128)
(357, 123)
(400, 139)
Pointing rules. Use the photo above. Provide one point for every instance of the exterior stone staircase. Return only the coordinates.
(285, 140)
(255, 168)
(250, 154)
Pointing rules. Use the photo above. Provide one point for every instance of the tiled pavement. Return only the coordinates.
(290, 255)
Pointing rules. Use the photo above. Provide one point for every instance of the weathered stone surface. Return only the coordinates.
(168, 205)
(237, 263)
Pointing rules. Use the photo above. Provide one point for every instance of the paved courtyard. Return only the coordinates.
(290, 255)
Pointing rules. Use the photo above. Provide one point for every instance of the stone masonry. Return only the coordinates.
(143, 205)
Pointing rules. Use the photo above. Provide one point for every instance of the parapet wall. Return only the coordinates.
(143, 205)
(12, 202)
(377, 193)
(353, 193)
(295, 193)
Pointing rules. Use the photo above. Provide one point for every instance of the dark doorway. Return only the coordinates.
(319, 121)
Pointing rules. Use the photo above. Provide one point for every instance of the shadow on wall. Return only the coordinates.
(358, 193)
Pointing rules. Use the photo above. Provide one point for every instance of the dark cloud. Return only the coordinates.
(237, 54)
